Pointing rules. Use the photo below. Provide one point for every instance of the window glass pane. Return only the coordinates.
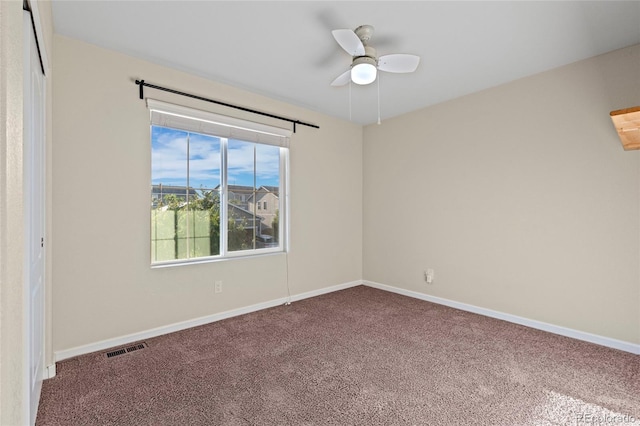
(242, 222)
(268, 194)
(168, 190)
(168, 166)
(254, 176)
(185, 195)
(204, 203)
(163, 242)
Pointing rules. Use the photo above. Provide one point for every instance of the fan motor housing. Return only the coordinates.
(364, 60)
(364, 33)
(370, 57)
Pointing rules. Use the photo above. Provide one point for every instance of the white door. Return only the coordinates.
(34, 173)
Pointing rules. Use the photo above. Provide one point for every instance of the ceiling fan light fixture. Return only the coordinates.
(363, 70)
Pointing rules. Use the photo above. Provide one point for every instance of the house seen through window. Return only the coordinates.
(209, 195)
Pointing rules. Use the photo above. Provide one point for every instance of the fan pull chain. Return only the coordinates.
(349, 99)
(378, 99)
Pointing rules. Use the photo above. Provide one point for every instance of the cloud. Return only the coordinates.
(204, 161)
(169, 160)
(240, 159)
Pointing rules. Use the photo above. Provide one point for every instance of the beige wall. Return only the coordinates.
(12, 355)
(520, 197)
(103, 285)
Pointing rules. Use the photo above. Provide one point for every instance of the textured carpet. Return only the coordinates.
(355, 357)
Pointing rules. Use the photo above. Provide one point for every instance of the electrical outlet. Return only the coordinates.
(429, 276)
(218, 287)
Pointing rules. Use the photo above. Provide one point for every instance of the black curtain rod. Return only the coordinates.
(142, 85)
(27, 8)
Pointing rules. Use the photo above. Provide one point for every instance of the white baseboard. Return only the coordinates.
(539, 325)
(325, 290)
(50, 371)
(158, 331)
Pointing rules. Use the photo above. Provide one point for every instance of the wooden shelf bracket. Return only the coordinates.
(627, 124)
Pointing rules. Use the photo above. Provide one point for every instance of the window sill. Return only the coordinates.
(216, 259)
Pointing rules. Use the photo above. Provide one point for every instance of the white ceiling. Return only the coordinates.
(285, 50)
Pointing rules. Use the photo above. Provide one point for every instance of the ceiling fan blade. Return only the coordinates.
(342, 79)
(349, 41)
(398, 62)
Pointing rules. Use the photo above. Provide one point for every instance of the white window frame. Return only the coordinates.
(187, 119)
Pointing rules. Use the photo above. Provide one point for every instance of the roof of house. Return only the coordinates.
(243, 211)
(171, 189)
(250, 189)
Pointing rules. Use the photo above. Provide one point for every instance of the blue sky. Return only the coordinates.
(169, 160)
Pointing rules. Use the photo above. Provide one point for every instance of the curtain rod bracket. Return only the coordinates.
(141, 83)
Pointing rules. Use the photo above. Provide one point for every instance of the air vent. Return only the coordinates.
(126, 350)
(116, 353)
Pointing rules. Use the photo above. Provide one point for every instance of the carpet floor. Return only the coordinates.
(360, 356)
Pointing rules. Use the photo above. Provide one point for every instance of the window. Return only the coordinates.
(207, 174)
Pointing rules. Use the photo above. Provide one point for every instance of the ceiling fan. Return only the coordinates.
(365, 61)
